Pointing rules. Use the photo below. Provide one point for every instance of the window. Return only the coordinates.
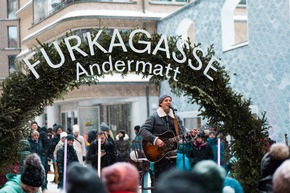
(40, 9)
(193, 122)
(185, 29)
(11, 63)
(118, 116)
(242, 2)
(191, 119)
(234, 21)
(241, 23)
(68, 119)
(11, 9)
(12, 37)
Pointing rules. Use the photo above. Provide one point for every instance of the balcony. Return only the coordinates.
(44, 9)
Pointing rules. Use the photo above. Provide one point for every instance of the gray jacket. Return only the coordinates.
(158, 123)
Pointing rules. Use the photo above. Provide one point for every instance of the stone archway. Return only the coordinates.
(51, 71)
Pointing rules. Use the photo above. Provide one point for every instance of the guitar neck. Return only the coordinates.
(176, 138)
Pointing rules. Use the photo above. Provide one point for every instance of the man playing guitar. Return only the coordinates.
(163, 121)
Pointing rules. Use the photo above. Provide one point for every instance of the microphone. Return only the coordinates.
(173, 108)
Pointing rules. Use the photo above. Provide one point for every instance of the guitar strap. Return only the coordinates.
(77, 140)
(175, 125)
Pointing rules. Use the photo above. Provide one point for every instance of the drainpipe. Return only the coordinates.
(143, 6)
(147, 100)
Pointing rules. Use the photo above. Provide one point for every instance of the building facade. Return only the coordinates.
(9, 36)
(119, 102)
(258, 62)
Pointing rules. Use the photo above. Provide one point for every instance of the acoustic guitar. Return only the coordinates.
(154, 153)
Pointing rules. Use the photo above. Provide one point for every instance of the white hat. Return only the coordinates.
(76, 128)
(63, 134)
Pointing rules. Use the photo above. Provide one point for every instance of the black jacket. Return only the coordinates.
(53, 142)
(199, 152)
(123, 150)
(108, 159)
(71, 157)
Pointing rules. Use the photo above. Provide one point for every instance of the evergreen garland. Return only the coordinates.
(24, 97)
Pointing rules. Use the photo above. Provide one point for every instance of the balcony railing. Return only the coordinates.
(41, 12)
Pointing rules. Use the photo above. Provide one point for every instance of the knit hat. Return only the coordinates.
(63, 134)
(81, 179)
(104, 127)
(274, 158)
(180, 181)
(232, 185)
(137, 128)
(121, 177)
(201, 134)
(76, 128)
(281, 178)
(33, 174)
(55, 127)
(212, 132)
(162, 97)
(70, 137)
(209, 171)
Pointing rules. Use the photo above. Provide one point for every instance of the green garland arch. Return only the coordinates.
(24, 96)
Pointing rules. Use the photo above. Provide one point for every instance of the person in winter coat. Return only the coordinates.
(267, 142)
(25, 150)
(71, 157)
(30, 180)
(44, 141)
(231, 185)
(182, 161)
(57, 130)
(281, 178)
(181, 181)
(63, 136)
(153, 130)
(136, 149)
(108, 133)
(91, 137)
(199, 150)
(83, 179)
(108, 152)
(277, 154)
(137, 138)
(55, 139)
(79, 144)
(210, 172)
(213, 141)
(122, 146)
(36, 146)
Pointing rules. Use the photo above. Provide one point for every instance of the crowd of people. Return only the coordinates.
(178, 160)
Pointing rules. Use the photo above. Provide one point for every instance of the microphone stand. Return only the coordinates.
(183, 150)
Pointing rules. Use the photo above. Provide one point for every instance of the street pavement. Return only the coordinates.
(52, 187)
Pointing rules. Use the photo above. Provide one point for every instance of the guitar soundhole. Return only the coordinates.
(168, 146)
